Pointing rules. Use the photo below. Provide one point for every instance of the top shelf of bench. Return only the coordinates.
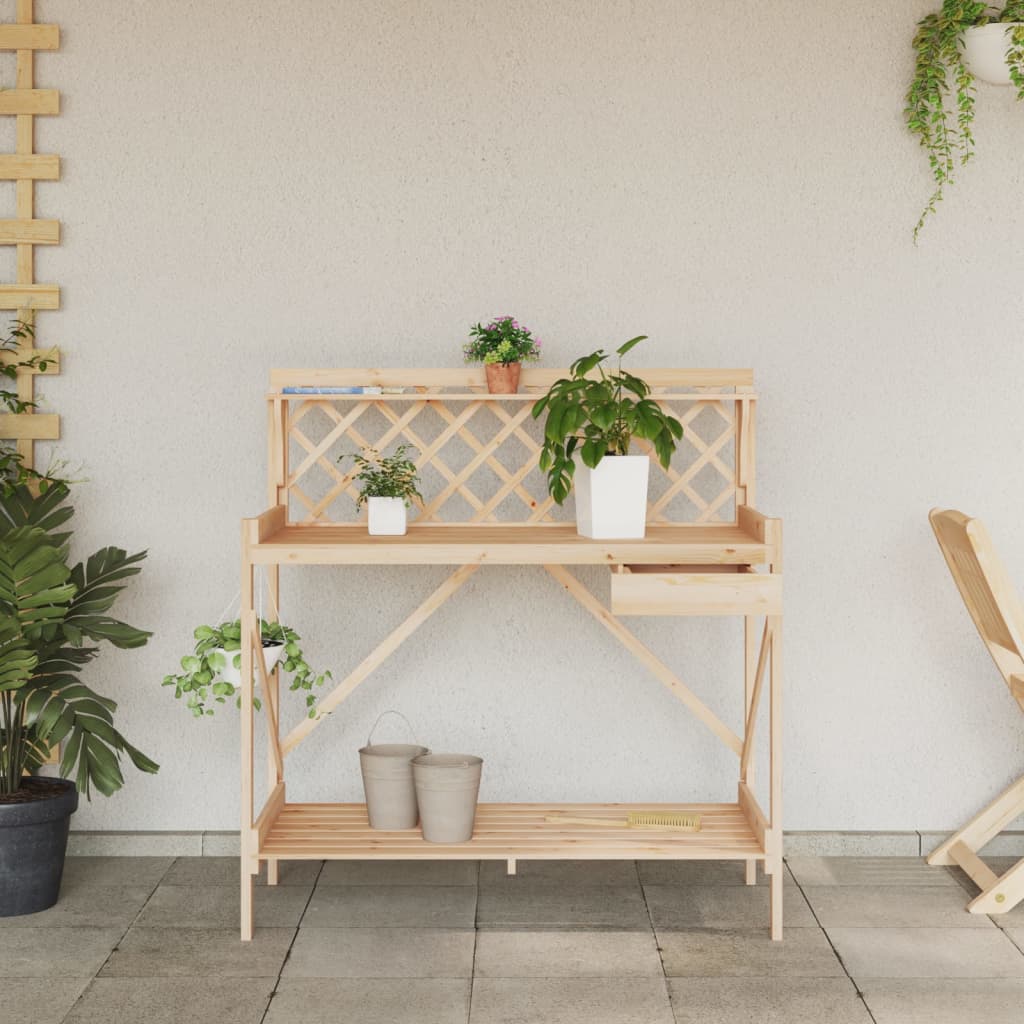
(473, 543)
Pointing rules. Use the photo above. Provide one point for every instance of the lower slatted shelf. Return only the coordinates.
(513, 831)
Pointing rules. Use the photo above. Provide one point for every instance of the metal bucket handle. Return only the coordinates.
(412, 732)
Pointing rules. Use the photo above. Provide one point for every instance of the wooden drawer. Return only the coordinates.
(694, 590)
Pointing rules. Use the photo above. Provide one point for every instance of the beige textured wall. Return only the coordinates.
(249, 185)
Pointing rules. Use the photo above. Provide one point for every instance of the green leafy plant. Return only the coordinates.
(945, 129)
(600, 416)
(202, 676)
(391, 476)
(503, 341)
(51, 616)
(13, 471)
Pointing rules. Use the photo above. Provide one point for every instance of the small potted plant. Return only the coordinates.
(213, 671)
(502, 346)
(53, 616)
(587, 434)
(389, 483)
(963, 41)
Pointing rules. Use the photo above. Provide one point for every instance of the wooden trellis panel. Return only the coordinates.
(25, 167)
(477, 453)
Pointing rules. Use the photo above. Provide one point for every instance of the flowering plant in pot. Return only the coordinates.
(388, 485)
(213, 672)
(53, 616)
(954, 46)
(590, 424)
(502, 346)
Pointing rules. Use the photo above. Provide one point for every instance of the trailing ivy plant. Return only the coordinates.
(600, 416)
(202, 679)
(53, 616)
(390, 476)
(940, 101)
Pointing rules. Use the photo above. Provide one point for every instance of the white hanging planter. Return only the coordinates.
(985, 49)
(230, 674)
(387, 517)
(611, 500)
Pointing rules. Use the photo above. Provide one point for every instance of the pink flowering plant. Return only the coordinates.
(503, 341)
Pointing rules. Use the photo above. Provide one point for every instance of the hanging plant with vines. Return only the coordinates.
(940, 102)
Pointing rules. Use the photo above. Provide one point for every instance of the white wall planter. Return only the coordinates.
(611, 501)
(232, 675)
(985, 49)
(387, 517)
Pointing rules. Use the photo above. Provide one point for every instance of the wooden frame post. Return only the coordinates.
(247, 839)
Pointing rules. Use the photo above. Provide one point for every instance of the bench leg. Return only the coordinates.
(1003, 895)
(985, 825)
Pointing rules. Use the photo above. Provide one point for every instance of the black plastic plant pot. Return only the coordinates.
(33, 841)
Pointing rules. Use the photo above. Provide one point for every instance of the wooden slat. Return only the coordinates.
(979, 872)
(29, 232)
(474, 376)
(534, 544)
(31, 167)
(37, 426)
(29, 37)
(29, 101)
(688, 593)
(29, 296)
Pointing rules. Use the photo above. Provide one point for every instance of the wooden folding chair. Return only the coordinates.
(999, 616)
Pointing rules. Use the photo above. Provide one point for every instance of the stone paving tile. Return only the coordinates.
(370, 1001)
(926, 953)
(945, 1000)
(400, 872)
(699, 872)
(570, 1001)
(199, 953)
(543, 906)
(874, 871)
(569, 954)
(95, 906)
(391, 906)
(381, 953)
(723, 906)
(226, 871)
(560, 872)
(168, 1001)
(803, 953)
(766, 1001)
(862, 906)
(54, 952)
(116, 871)
(217, 906)
(38, 1000)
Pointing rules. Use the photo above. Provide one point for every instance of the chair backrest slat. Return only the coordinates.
(985, 588)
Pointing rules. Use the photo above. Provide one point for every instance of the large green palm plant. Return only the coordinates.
(51, 615)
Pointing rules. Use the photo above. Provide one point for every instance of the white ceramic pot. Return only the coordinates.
(232, 675)
(611, 500)
(985, 49)
(387, 517)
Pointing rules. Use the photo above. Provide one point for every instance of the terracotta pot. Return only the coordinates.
(503, 378)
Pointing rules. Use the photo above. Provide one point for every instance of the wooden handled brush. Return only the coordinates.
(635, 819)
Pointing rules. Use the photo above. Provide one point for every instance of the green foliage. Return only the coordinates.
(501, 341)
(51, 614)
(13, 471)
(945, 131)
(600, 416)
(202, 679)
(393, 476)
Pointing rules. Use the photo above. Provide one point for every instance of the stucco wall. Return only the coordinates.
(249, 185)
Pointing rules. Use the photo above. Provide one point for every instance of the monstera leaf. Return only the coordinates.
(17, 661)
(46, 510)
(97, 584)
(35, 587)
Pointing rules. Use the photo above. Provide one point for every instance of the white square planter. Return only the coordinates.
(611, 501)
(387, 517)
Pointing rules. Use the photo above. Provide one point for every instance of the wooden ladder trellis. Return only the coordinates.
(25, 167)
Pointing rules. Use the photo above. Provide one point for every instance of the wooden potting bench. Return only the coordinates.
(707, 552)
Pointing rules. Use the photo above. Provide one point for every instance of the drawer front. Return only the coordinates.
(695, 593)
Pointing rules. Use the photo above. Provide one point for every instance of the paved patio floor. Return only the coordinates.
(148, 940)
